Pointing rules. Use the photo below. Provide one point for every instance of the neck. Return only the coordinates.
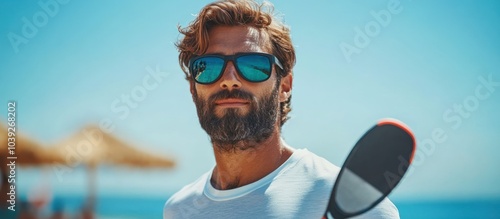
(237, 168)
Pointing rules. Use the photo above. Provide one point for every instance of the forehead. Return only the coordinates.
(229, 40)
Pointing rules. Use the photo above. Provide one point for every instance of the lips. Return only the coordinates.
(231, 102)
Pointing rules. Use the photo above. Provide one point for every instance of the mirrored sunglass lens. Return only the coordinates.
(254, 67)
(207, 69)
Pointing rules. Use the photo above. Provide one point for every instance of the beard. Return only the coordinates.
(234, 131)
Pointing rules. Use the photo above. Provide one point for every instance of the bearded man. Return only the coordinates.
(238, 60)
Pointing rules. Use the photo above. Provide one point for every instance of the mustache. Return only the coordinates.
(226, 94)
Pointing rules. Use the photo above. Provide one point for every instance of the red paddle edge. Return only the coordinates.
(403, 126)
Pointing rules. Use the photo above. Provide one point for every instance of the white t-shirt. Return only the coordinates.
(299, 188)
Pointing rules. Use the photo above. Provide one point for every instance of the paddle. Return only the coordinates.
(374, 167)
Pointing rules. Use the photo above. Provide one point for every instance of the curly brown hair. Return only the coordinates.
(233, 13)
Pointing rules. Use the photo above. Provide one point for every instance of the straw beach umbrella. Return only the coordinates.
(92, 147)
(26, 152)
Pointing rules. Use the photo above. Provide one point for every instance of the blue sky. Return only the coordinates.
(420, 66)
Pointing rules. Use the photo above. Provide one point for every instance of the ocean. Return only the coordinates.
(449, 209)
(114, 207)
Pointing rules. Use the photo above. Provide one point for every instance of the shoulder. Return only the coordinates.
(188, 195)
(308, 172)
(324, 175)
(315, 166)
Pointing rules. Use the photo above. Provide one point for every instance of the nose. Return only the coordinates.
(230, 78)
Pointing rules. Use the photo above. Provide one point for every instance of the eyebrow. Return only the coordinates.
(216, 53)
(222, 54)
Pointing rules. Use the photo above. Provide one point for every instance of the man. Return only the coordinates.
(238, 60)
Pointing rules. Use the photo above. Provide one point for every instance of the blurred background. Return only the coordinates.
(105, 73)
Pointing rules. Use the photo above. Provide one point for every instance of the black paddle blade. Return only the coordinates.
(374, 167)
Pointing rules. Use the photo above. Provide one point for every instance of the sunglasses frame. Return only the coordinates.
(272, 60)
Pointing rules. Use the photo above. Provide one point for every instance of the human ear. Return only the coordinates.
(285, 87)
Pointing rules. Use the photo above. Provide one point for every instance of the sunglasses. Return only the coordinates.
(252, 66)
